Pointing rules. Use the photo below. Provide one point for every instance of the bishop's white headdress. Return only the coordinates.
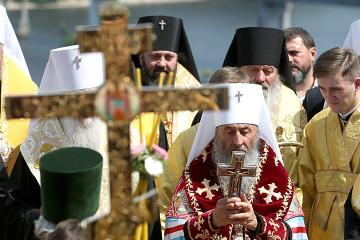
(246, 105)
(67, 70)
(352, 40)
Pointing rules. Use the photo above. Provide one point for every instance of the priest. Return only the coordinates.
(330, 160)
(253, 49)
(64, 72)
(171, 53)
(202, 205)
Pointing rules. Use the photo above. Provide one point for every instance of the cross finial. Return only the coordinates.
(77, 61)
(236, 171)
(162, 24)
(238, 95)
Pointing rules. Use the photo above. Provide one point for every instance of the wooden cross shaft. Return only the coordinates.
(236, 171)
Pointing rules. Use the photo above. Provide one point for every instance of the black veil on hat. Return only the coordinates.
(170, 36)
(260, 46)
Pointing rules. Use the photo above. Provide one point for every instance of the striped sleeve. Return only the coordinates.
(297, 225)
(174, 229)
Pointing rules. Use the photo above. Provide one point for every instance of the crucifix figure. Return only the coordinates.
(77, 61)
(236, 171)
(238, 95)
(113, 39)
(162, 24)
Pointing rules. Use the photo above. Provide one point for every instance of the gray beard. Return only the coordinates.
(301, 74)
(272, 95)
(251, 159)
(88, 133)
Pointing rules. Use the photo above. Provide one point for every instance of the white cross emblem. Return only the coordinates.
(270, 193)
(238, 95)
(162, 24)
(207, 189)
(77, 61)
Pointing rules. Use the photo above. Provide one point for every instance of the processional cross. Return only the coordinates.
(236, 171)
(117, 43)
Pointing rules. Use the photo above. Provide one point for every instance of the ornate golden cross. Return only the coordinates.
(236, 171)
(116, 42)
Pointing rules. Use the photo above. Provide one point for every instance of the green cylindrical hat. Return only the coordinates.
(70, 183)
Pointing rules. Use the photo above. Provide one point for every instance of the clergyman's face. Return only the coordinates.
(300, 58)
(261, 74)
(237, 135)
(340, 94)
(155, 62)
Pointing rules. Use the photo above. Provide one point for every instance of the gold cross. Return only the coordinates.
(207, 189)
(112, 39)
(238, 95)
(236, 171)
(199, 222)
(270, 193)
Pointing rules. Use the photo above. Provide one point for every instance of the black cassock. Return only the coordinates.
(23, 200)
(23, 203)
(352, 221)
(3, 194)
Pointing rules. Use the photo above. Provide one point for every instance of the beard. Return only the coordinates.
(301, 73)
(220, 155)
(272, 95)
(88, 133)
(150, 79)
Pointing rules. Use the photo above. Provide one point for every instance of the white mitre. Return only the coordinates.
(246, 105)
(67, 70)
(11, 44)
(352, 40)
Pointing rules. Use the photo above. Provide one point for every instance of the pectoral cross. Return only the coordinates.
(113, 40)
(162, 24)
(236, 171)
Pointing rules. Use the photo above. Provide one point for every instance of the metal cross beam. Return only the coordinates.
(113, 39)
(236, 171)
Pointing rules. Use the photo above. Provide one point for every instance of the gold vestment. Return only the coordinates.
(328, 166)
(291, 118)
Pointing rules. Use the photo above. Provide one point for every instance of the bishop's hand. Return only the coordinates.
(234, 210)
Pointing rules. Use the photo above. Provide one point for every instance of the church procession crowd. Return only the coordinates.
(282, 162)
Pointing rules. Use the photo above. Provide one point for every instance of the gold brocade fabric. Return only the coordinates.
(173, 169)
(291, 121)
(13, 132)
(328, 166)
(291, 118)
(47, 135)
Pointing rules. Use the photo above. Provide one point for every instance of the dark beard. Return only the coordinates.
(149, 79)
(301, 73)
